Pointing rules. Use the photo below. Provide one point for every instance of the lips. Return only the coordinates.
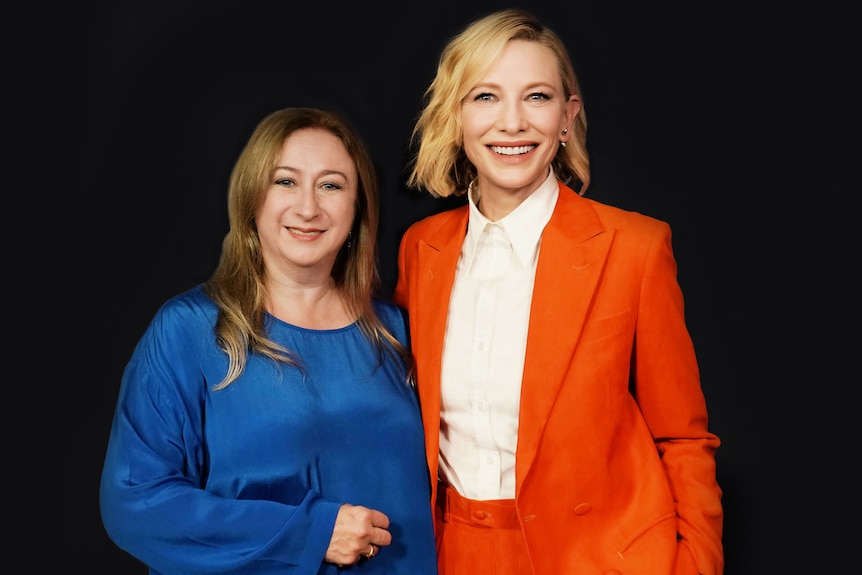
(307, 234)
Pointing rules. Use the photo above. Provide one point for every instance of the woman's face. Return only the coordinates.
(513, 119)
(309, 206)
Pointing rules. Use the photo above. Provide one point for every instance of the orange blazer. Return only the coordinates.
(615, 464)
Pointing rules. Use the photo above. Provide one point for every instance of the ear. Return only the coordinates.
(573, 108)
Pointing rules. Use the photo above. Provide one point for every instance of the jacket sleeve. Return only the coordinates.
(666, 385)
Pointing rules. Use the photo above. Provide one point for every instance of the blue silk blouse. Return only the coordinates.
(249, 479)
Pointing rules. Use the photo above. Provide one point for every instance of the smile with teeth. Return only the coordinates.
(512, 150)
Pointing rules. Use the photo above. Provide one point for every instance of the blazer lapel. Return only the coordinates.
(574, 248)
(437, 261)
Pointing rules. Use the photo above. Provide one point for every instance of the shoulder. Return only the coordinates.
(193, 301)
(634, 235)
(388, 311)
(437, 230)
(393, 316)
(189, 310)
(628, 218)
(434, 222)
(180, 332)
(609, 216)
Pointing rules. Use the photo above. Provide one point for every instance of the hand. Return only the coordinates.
(358, 533)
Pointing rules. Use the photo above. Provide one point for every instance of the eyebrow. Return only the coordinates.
(533, 86)
(324, 173)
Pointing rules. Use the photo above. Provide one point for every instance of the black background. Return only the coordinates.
(171, 90)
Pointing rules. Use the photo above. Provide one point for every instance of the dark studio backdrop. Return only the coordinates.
(174, 89)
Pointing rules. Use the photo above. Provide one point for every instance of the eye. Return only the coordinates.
(330, 187)
(538, 96)
(285, 182)
(484, 97)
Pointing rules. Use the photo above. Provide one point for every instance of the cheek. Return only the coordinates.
(266, 204)
(341, 209)
(477, 120)
(471, 139)
(274, 206)
(269, 224)
(471, 129)
(550, 121)
(350, 214)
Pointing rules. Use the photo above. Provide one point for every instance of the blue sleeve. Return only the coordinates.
(153, 496)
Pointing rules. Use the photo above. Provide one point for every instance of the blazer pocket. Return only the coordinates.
(605, 327)
(657, 539)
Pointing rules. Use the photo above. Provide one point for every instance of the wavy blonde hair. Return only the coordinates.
(237, 286)
(440, 165)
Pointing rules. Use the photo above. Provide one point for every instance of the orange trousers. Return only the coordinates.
(479, 537)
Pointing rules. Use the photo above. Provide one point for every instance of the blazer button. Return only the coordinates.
(582, 509)
(480, 515)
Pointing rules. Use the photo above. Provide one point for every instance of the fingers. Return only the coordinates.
(378, 518)
(358, 534)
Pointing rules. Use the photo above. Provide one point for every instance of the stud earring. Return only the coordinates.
(566, 131)
(349, 236)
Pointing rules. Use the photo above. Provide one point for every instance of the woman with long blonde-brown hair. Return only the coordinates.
(267, 420)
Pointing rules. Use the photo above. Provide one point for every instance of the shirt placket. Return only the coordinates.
(494, 256)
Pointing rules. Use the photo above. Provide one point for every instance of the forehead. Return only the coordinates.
(315, 149)
(525, 62)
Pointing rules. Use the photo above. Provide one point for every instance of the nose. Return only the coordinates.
(512, 118)
(306, 204)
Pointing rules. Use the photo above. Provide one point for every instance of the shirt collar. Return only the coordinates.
(524, 225)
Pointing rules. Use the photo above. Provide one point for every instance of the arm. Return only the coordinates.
(667, 388)
(153, 496)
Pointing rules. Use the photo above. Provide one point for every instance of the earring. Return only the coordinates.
(566, 131)
(349, 235)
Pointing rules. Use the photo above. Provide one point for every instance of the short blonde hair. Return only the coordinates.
(440, 165)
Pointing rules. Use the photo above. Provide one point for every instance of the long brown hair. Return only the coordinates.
(237, 286)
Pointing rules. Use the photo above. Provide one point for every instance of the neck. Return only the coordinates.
(310, 306)
(496, 206)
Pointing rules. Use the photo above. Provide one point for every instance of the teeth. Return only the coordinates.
(302, 233)
(512, 151)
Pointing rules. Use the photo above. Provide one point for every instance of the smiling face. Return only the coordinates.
(309, 206)
(513, 120)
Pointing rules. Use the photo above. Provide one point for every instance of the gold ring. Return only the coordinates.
(371, 552)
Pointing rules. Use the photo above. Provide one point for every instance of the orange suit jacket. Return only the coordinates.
(615, 465)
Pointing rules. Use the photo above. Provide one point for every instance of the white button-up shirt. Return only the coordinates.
(483, 353)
